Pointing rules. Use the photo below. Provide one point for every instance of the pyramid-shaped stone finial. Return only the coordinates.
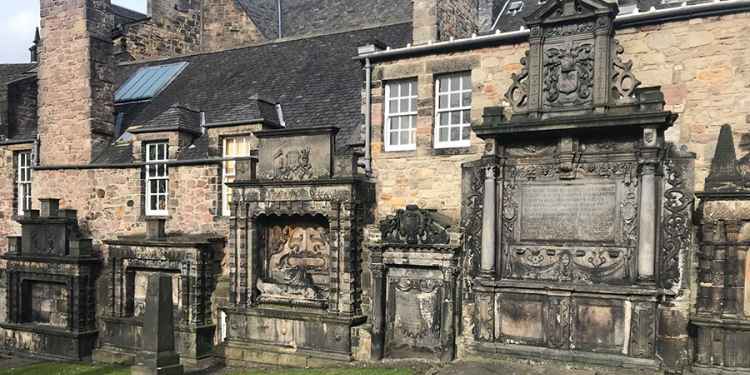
(725, 173)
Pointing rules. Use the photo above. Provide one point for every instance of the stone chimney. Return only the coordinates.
(75, 80)
(438, 20)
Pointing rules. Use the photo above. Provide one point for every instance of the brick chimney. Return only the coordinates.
(76, 69)
(438, 20)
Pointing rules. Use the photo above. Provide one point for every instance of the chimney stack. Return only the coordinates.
(439, 20)
(76, 69)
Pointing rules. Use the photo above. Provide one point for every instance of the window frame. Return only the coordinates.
(154, 164)
(225, 211)
(23, 182)
(461, 143)
(388, 147)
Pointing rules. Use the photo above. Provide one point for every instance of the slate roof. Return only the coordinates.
(308, 17)
(8, 74)
(124, 16)
(176, 117)
(314, 79)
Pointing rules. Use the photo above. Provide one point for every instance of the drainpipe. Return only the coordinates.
(368, 117)
(278, 12)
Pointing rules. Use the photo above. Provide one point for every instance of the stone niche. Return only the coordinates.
(414, 267)
(722, 318)
(577, 216)
(49, 286)
(294, 252)
(192, 262)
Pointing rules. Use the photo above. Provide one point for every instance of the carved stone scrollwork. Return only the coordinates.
(568, 74)
(558, 323)
(472, 228)
(413, 226)
(624, 82)
(676, 223)
(518, 92)
(583, 265)
(510, 213)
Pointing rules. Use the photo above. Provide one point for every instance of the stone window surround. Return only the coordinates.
(225, 209)
(437, 143)
(412, 144)
(425, 74)
(22, 203)
(147, 179)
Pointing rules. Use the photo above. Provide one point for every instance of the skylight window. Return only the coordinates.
(148, 82)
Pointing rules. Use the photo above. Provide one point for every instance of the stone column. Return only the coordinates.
(489, 222)
(158, 356)
(377, 271)
(648, 215)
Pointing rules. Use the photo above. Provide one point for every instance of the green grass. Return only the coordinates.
(65, 369)
(84, 369)
(343, 371)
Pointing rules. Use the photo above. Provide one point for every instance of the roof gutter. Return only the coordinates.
(651, 17)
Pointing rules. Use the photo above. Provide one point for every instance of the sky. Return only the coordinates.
(19, 19)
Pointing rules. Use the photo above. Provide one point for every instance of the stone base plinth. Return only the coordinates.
(48, 342)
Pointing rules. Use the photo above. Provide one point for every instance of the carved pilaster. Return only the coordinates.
(377, 271)
(647, 238)
(489, 221)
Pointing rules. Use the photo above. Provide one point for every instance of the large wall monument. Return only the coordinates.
(577, 216)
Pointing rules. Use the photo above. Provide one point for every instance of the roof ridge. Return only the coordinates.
(262, 44)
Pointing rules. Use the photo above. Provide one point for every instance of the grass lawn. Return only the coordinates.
(65, 369)
(343, 371)
(84, 369)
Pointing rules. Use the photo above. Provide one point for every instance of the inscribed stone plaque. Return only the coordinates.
(569, 212)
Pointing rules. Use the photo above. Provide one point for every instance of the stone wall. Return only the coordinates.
(443, 19)
(22, 108)
(226, 25)
(8, 226)
(171, 30)
(701, 64)
(75, 113)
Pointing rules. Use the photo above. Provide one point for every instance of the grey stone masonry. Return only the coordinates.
(158, 356)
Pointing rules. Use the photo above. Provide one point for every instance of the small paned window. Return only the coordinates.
(23, 181)
(401, 115)
(453, 114)
(157, 179)
(234, 147)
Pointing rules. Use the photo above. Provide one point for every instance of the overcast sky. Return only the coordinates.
(18, 20)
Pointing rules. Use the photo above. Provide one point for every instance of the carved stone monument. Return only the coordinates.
(157, 355)
(49, 286)
(722, 318)
(295, 288)
(414, 269)
(562, 217)
(191, 260)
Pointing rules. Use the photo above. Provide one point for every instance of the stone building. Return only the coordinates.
(359, 180)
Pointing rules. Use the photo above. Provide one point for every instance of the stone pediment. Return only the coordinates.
(562, 11)
(574, 65)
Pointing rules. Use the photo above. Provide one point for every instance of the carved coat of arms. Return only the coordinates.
(568, 74)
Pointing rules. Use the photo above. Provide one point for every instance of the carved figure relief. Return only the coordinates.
(297, 261)
(568, 74)
(413, 226)
(291, 165)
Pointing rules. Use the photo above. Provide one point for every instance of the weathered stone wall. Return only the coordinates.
(171, 30)
(75, 113)
(443, 19)
(8, 227)
(226, 25)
